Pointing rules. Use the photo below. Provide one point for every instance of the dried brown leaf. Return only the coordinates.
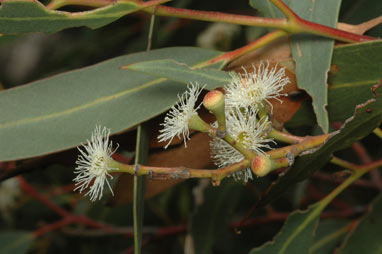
(361, 28)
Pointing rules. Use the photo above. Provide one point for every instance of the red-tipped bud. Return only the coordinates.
(214, 102)
(261, 165)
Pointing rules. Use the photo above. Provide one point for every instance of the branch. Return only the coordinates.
(292, 25)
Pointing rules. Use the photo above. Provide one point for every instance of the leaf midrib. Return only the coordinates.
(354, 84)
(80, 107)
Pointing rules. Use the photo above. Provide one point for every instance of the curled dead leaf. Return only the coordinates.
(360, 28)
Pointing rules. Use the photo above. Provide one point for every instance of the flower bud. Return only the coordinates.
(214, 102)
(261, 165)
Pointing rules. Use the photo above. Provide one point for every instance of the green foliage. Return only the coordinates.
(296, 236)
(31, 16)
(85, 100)
(330, 233)
(312, 54)
(362, 240)
(59, 112)
(355, 70)
(180, 72)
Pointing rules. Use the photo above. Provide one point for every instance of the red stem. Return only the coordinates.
(214, 15)
(282, 216)
(54, 226)
(300, 26)
(67, 217)
(35, 194)
(318, 195)
(229, 56)
(337, 34)
(364, 156)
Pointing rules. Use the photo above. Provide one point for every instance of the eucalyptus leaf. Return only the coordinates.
(23, 16)
(355, 69)
(366, 238)
(330, 233)
(312, 54)
(296, 235)
(60, 112)
(180, 72)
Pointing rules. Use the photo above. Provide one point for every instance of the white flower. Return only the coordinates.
(9, 191)
(176, 120)
(223, 154)
(246, 129)
(93, 162)
(254, 88)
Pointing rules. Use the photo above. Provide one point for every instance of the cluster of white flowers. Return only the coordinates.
(247, 130)
(93, 164)
(244, 95)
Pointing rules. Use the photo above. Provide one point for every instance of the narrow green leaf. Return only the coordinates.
(142, 151)
(180, 72)
(366, 238)
(24, 16)
(329, 235)
(212, 217)
(312, 54)
(15, 242)
(366, 118)
(296, 235)
(60, 112)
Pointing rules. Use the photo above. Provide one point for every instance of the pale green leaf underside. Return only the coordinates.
(313, 54)
(60, 112)
(31, 16)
